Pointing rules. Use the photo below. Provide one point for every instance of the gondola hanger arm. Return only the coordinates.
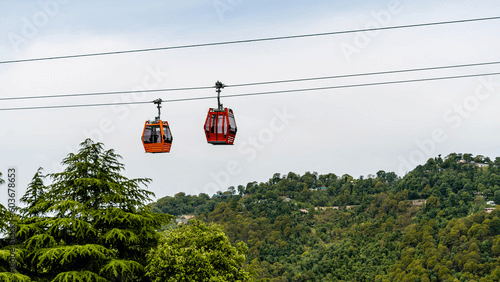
(218, 86)
(158, 103)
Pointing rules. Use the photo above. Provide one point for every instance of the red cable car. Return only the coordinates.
(156, 136)
(220, 126)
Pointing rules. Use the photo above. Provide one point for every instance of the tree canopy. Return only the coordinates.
(90, 224)
(430, 224)
(197, 252)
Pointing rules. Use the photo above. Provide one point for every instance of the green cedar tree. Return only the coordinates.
(90, 224)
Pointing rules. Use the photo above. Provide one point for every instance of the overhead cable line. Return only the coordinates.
(249, 40)
(105, 93)
(252, 83)
(258, 93)
(364, 74)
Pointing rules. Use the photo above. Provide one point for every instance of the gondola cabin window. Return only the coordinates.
(167, 135)
(152, 134)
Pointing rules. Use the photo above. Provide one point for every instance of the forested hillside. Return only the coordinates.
(429, 225)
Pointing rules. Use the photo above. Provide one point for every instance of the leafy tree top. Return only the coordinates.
(197, 252)
(34, 193)
(91, 223)
(92, 177)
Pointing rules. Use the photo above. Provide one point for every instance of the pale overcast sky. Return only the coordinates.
(357, 131)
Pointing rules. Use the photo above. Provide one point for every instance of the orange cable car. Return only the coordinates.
(220, 125)
(156, 136)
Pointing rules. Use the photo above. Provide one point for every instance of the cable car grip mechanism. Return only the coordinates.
(158, 103)
(218, 87)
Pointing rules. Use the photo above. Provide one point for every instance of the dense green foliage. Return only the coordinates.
(364, 229)
(34, 193)
(197, 252)
(13, 277)
(93, 224)
(467, 249)
(5, 274)
(90, 224)
(182, 204)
